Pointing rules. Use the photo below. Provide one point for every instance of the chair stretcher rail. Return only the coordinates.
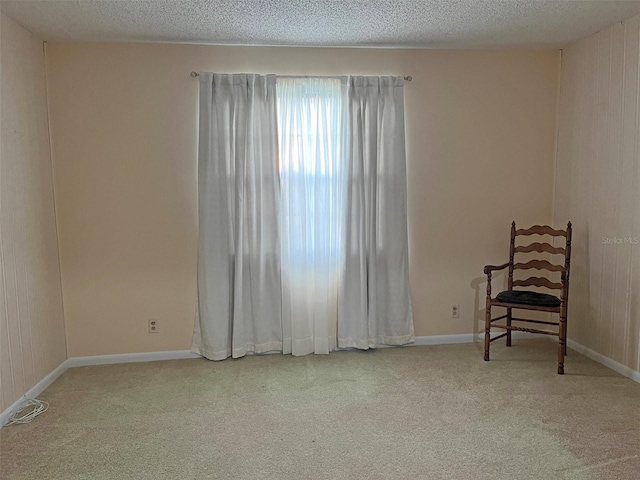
(525, 329)
(542, 322)
(498, 336)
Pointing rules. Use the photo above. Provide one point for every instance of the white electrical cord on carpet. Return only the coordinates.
(35, 407)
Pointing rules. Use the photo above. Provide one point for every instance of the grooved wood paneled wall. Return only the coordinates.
(597, 187)
(32, 336)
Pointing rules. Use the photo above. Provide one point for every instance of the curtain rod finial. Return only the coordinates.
(408, 78)
(194, 74)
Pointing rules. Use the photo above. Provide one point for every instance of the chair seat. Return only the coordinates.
(527, 297)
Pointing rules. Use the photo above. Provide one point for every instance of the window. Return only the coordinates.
(312, 171)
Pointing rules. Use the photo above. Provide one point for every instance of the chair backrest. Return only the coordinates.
(541, 264)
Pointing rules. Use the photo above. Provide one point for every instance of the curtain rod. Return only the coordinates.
(408, 78)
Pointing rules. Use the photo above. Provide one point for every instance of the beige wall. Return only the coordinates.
(480, 140)
(597, 187)
(32, 335)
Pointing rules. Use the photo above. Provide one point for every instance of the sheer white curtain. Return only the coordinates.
(239, 292)
(374, 303)
(312, 143)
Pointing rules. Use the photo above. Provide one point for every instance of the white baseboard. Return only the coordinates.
(184, 354)
(34, 391)
(419, 341)
(130, 358)
(38, 388)
(606, 361)
(479, 337)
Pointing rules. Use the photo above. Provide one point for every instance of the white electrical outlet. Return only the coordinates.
(455, 311)
(153, 325)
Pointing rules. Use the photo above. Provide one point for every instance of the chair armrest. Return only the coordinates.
(490, 268)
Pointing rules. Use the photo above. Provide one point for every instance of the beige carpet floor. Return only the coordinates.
(420, 412)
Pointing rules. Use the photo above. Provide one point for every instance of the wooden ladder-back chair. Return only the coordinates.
(527, 299)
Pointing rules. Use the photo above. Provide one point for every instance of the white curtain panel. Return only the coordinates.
(374, 305)
(312, 141)
(302, 214)
(239, 285)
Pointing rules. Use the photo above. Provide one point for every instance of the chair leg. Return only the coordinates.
(562, 335)
(487, 333)
(508, 324)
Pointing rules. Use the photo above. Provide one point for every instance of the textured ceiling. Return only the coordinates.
(383, 23)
